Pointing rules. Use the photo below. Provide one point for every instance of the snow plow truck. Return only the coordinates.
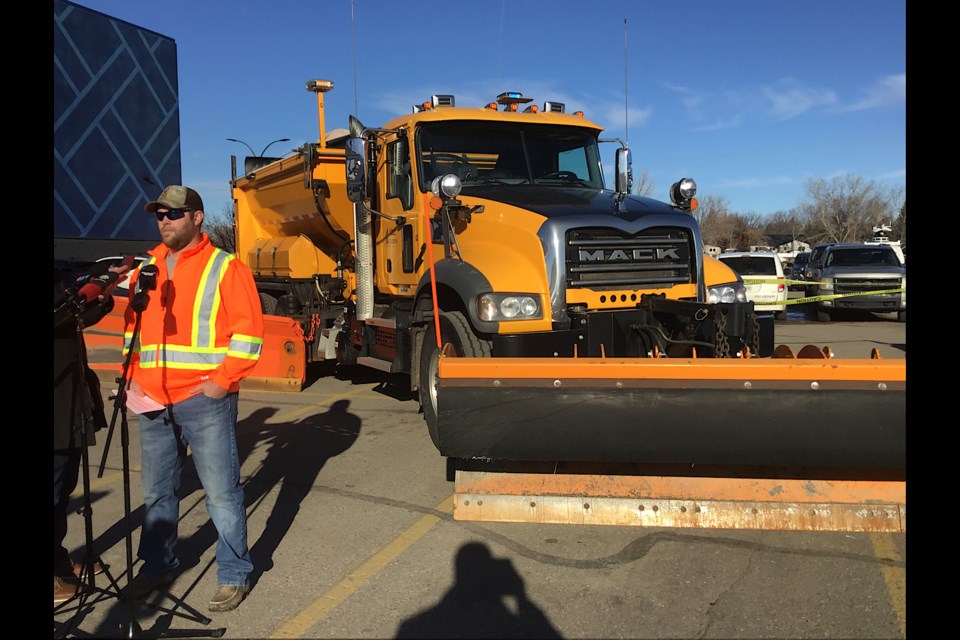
(577, 356)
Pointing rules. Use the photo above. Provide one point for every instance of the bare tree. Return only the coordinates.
(220, 229)
(845, 209)
(644, 186)
(899, 227)
(747, 231)
(713, 215)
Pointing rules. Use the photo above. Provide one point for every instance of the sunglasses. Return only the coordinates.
(172, 214)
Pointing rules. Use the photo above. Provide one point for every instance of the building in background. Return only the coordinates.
(116, 132)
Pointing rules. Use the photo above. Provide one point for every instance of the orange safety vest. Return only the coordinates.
(204, 323)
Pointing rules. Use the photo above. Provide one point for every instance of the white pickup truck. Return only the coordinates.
(865, 276)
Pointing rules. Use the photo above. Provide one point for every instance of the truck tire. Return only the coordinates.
(456, 331)
(780, 315)
(268, 304)
(823, 316)
(902, 316)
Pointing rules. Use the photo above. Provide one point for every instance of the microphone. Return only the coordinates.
(92, 289)
(147, 278)
(146, 281)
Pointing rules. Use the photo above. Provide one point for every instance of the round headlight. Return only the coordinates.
(510, 307)
(528, 306)
(448, 185)
(688, 188)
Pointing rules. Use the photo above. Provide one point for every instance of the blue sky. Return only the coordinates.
(751, 98)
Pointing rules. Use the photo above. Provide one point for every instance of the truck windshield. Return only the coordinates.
(751, 265)
(863, 257)
(496, 153)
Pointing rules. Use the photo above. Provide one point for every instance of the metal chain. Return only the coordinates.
(723, 346)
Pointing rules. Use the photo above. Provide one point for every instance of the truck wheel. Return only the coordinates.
(456, 331)
(823, 316)
(268, 304)
(780, 315)
(901, 316)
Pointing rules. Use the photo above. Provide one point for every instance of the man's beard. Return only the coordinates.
(179, 239)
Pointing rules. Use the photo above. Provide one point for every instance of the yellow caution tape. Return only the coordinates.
(831, 296)
(808, 283)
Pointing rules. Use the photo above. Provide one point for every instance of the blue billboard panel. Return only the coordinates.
(116, 124)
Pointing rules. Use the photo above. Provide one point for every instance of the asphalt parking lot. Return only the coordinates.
(352, 536)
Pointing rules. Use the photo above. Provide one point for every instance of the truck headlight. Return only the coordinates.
(448, 186)
(497, 307)
(826, 284)
(734, 292)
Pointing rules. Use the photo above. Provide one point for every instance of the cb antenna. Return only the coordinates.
(626, 118)
(353, 34)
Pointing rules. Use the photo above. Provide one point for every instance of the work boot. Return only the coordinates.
(64, 590)
(228, 597)
(145, 584)
(79, 569)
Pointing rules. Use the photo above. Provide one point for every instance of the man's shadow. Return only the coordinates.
(296, 451)
(488, 600)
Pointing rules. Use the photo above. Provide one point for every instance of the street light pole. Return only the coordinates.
(272, 143)
(252, 152)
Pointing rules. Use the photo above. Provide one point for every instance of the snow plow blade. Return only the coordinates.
(680, 496)
(819, 412)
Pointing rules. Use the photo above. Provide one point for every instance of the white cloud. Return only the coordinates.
(755, 183)
(789, 98)
(689, 99)
(894, 175)
(729, 123)
(885, 92)
(610, 116)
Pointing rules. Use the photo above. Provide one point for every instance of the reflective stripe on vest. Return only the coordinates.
(202, 353)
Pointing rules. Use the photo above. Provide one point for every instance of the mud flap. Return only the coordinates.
(766, 412)
(282, 365)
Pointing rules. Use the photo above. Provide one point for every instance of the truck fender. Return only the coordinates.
(455, 279)
(457, 285)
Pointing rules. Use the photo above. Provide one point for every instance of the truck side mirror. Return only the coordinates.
(356, 169)
(623, 167)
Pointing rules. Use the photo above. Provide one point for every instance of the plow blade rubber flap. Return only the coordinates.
(809, 413)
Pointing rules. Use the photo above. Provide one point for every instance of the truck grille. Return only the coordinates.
(855, 285)
(605, 259)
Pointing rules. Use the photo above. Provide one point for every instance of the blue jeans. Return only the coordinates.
(208, 426)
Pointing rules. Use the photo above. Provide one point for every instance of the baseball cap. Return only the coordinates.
(176, 196)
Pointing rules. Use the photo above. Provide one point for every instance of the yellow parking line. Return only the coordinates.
(894, 577)
(298, 626)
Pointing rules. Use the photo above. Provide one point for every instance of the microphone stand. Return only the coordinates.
(87, 579)
(131, 628)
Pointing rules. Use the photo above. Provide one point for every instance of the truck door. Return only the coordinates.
(396, 243)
